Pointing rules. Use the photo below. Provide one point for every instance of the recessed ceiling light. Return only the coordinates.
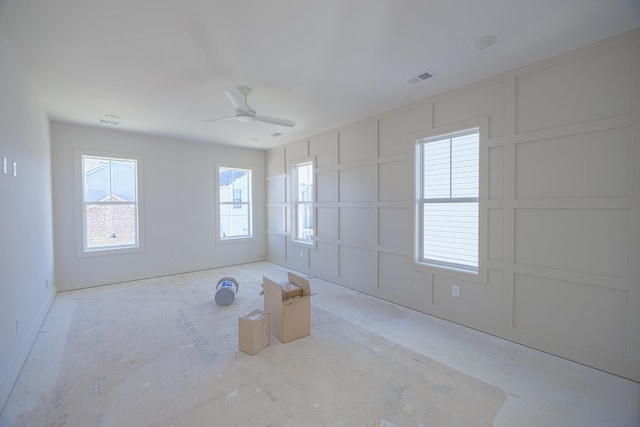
(484, 42)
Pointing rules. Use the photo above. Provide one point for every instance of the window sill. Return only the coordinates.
(229, 240)
(108, 251)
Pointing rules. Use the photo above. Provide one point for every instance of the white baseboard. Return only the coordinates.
(24, 349)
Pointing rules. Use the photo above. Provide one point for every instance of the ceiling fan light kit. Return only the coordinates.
(243, 117)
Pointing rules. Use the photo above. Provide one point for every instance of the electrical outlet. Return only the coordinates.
(17, 325)
(46, 283)
(455, 290)
(176, 255)
(301, 254)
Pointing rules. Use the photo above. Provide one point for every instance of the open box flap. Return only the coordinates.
(300, 282)
(271, 288)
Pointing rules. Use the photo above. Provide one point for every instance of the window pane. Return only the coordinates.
(305, 222)
(305, 182)
(234, 182)
(234, 187)
(109, 180)
(302, 193)
(110, 225)
(123, 181)
(96, 179)
(464, 166)
(451, 233)
(437, 169)
(234, 222)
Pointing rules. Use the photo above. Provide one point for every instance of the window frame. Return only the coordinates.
(295, 203)
(233, 204)
(478, 275)
(82, 249)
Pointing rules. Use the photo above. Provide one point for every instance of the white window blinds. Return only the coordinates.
(449, 200)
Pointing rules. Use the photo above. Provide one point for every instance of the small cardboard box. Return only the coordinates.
(254, 331)
(291, 318)
(289, 290)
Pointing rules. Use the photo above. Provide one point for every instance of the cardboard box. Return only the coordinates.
(290, 319)
(254, 331)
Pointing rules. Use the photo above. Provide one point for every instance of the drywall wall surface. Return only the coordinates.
(559, 206)
(27, 285)
(178, 206)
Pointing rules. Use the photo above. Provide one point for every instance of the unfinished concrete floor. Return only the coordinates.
(160, 352)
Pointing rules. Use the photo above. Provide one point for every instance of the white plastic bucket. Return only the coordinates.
(226, 290)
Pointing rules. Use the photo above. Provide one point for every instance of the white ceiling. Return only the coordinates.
(163, 65)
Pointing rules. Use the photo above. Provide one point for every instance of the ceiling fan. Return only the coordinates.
(246, 114)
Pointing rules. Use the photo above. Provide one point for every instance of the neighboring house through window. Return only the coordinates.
(302, 198)
(234, 193)
(110, 203)
(448, 196)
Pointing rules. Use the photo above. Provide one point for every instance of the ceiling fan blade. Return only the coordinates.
(276, 121)
(220, 119)
(238, 101)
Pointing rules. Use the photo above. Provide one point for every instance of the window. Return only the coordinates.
(302, 199)
(109, 203)
(448, 200)
(237, 199)
(234, 192)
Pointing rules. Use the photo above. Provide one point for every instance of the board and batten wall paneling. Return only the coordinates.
(397, 129)
(357, 226)
(358, 184)
(276, 189)
(277, 248)
(496, 173)
(276, 219)
(356, 268)
(476, 304)
(393, 178)
(600, 164)
(592, 317)
(593, 86)
(275, 162)
(402, 284)
(295, 152)
(324, 148)
(394, 228)
(559, 210)
(327, 187)
(582, 240)
(358, 142)
(326, 224)
(469, 104)
(324, 261)
(495, 247)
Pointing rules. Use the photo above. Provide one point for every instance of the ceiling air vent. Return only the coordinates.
(110, 119)
(420, 77)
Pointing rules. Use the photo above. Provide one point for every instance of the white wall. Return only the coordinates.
(178, 205)
(27, 285)
(559, 206)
